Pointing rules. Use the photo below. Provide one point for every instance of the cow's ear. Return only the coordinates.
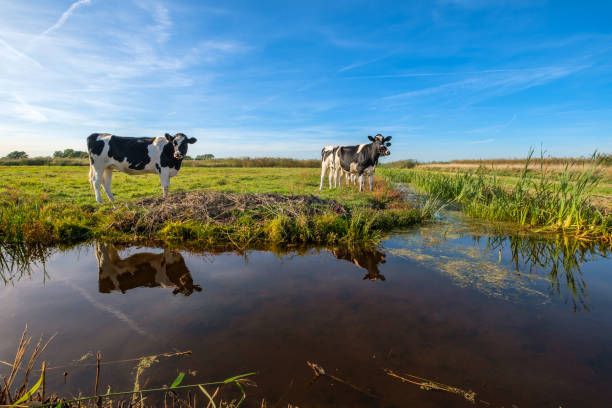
(387, 144)
(169, 137)
(386, 139)
(192, 140)
(371, 138)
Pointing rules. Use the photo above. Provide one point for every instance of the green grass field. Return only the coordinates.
(70, 185)
(53, 205)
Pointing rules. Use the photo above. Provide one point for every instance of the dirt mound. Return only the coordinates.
(220, 208)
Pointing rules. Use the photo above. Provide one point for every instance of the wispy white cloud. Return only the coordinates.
(494, 83)
(361, 63)
(161, 17)
(435, 74)
(26, 111)
(482, 141)
(10, 52)
(481, 4)
(497, 128)
(62, 19)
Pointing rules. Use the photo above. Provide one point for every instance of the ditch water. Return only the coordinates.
(517, 319)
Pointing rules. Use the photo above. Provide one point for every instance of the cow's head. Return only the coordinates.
(179, 143)
(381, 143)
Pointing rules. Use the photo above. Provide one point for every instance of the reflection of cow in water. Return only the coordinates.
(166, 270)
(364, 258)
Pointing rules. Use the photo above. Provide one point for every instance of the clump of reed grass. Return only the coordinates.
(14, 387)
(559, 202)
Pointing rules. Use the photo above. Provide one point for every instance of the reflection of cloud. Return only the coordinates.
(117, 313)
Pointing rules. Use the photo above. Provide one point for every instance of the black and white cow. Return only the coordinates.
(361, 160)
(328, 162)
(161, 155)
(144, 269)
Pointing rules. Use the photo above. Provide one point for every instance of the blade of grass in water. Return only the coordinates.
(178, 380)
(32, 390)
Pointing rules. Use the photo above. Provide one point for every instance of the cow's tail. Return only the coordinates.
(91, 141)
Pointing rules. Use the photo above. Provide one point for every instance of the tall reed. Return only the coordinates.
(550, 202)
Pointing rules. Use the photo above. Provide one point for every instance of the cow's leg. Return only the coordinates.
(164, 177)
(331, 176)
(334, 178)
(91, 172)
(107, 176)
(361, 182)
(371, 180)
(95, 178)
(323, 170)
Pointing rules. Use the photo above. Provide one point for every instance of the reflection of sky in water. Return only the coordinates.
(436, 301)
(512, 266)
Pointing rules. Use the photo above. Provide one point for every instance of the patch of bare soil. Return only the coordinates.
(216, 207)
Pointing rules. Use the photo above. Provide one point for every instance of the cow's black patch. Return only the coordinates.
(167, 158)
(178, 273)
(368, 156)
(94, 145)
(158, 168)
(134, 149)
(325, 153)
(364, 158)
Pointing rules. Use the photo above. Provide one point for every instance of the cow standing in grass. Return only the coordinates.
(361, 160)
(328, 162)
(161, 155)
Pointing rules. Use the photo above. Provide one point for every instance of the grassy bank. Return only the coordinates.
(234, 208)
(555, 202)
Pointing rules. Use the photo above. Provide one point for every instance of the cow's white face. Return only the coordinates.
(179, 144)
(381, 143)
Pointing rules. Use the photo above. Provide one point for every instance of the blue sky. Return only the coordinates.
(447, 79)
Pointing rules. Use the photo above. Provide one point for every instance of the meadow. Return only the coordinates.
(221, 162)
(230, 208)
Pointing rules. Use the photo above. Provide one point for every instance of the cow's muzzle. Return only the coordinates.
(178, 156)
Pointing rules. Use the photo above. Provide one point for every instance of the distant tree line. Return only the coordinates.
(70, 154)
(16, 155)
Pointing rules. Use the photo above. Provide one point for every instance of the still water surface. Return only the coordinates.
(519, 320)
